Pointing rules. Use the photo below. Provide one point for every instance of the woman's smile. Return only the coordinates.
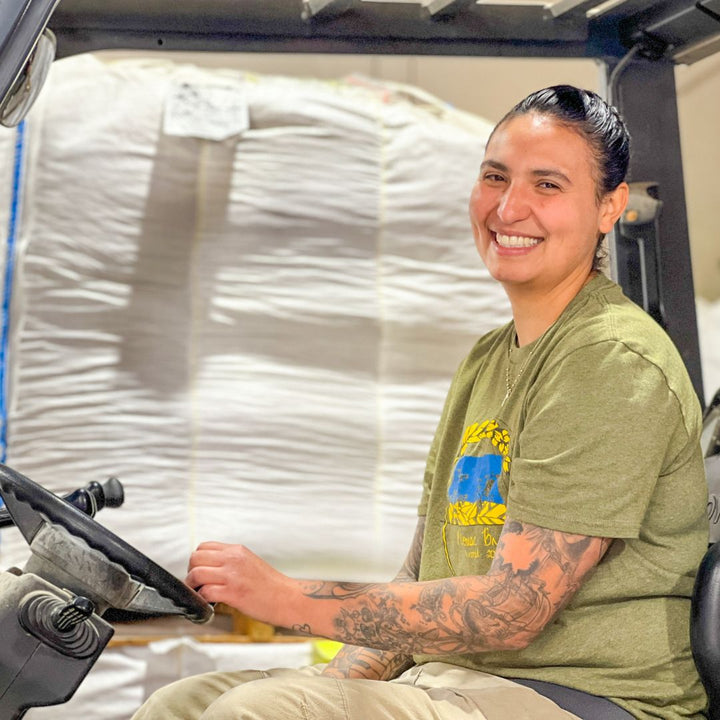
(516, 241)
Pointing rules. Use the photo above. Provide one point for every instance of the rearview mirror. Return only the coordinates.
(25, 89)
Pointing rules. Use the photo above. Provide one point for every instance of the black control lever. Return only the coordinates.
(637, 250)
(65, 617)
(90, 499)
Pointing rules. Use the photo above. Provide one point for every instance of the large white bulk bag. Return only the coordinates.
(255, 333)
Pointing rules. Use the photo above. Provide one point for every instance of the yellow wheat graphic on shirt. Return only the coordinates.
(489, 429)
(470, 513)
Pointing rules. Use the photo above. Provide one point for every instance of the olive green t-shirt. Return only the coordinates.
(599, 436)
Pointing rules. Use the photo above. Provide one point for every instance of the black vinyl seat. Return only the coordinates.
(705, 611)
(705, 627)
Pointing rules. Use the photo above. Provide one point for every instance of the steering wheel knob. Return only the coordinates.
(37, 615)
(67, 616)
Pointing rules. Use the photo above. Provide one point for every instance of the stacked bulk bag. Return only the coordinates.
(244, 296)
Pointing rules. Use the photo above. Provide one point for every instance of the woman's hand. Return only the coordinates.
(234, 575)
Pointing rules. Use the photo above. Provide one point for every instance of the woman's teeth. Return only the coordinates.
(515, 241)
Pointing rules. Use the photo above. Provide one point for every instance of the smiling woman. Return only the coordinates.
(563, 508)
(551, 186)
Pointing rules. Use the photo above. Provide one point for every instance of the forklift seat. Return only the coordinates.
(705, 627)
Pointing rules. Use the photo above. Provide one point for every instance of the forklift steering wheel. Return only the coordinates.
(109, 571)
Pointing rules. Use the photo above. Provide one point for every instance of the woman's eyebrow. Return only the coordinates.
(547, 172)
(493, 164)
(539, 172)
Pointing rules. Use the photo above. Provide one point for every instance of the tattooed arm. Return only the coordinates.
(370, 663)
(535, 573)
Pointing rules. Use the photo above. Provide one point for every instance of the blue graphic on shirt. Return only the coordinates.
(476, 479)
(474, 495)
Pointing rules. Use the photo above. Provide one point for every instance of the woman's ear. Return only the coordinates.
(612, 207)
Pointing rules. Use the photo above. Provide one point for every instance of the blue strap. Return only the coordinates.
(13, 228)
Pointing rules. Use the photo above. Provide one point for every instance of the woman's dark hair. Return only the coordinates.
(598, 123)
(590, 116)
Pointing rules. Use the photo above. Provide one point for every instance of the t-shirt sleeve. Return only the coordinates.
(601, 425)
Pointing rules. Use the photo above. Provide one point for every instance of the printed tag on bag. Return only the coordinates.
(210, 111)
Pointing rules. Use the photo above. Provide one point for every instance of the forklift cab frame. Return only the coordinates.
(636, 42)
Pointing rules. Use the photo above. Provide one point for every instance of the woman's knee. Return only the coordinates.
(171, 703)
(279, 699)
(187, 699)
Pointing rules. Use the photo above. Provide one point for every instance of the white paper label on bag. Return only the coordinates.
(210, 111)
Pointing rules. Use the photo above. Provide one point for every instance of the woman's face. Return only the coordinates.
(534, 209)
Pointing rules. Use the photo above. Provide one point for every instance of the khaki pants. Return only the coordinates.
(434, 691)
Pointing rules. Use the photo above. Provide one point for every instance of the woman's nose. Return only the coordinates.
(513, 205)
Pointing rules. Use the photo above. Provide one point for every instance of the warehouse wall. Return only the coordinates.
(699, 105)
